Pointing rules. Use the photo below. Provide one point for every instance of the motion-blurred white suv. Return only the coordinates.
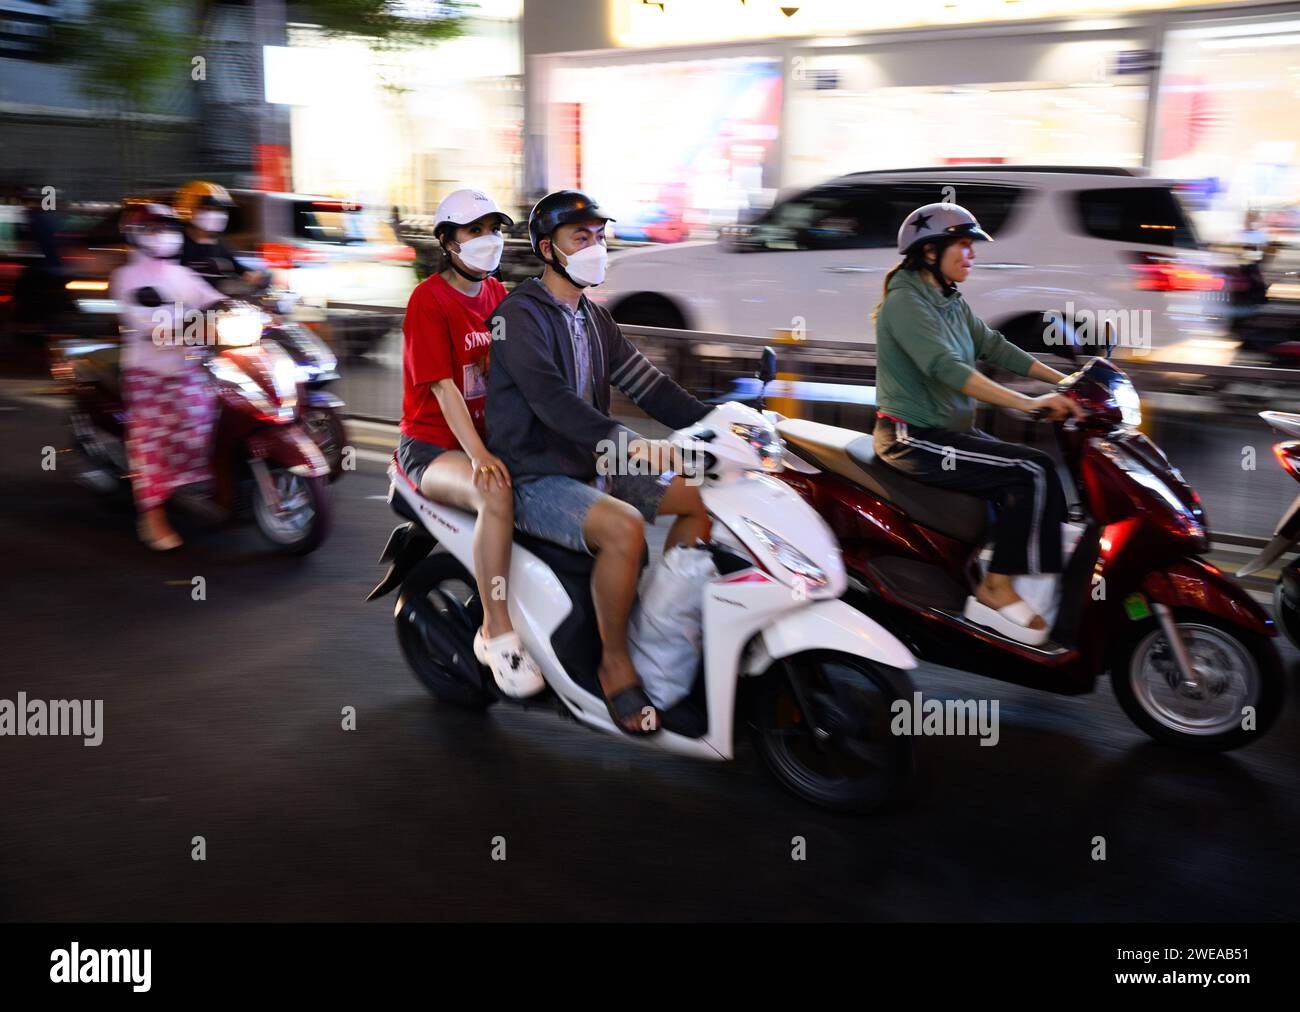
(1070, 244)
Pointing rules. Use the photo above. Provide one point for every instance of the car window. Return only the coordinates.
(331, 221)
(991, 203)
(834, 216)
(1145, 215)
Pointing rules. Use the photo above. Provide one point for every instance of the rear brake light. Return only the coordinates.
(283, 255)
(1151, 274)
(1288, 455)
(335, 205)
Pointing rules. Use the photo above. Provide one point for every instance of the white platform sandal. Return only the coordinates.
(1011, 621)
(515, 673)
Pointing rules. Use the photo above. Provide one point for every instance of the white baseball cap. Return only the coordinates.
(462, 207)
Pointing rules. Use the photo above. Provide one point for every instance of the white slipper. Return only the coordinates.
(515, 673)
(1011, 621)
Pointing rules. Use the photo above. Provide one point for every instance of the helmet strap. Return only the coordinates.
(466, 274)
(946, 286)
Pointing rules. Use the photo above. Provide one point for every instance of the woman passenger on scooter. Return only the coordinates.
(927, 343)
(445, 356)
(170, 402)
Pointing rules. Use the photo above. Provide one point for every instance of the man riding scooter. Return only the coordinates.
(205, 209)
(548, 421)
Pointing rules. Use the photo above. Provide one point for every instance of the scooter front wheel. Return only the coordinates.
(326, 430)
(300, 518)
(821, 722)
(1241, 690)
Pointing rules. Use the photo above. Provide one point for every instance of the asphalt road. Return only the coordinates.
(222, 720)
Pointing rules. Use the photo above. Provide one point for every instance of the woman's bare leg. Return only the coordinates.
(155, 524)
(449, 480)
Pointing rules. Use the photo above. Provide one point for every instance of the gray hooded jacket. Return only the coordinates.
(536, 422)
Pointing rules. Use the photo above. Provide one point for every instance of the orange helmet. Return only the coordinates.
(198, 194)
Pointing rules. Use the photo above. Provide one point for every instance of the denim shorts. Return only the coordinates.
(415, 455)
(555, 507)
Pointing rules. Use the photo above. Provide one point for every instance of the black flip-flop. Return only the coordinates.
(631, 702)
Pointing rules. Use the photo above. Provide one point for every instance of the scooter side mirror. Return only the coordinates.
(147, 297)
(767, 366)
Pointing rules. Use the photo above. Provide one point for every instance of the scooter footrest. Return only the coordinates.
(918, 583)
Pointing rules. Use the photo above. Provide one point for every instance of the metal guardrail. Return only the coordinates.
(856, 353)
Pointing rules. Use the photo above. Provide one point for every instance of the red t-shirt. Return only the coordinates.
(445, 336)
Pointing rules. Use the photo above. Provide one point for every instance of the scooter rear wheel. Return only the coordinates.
(842, 756)
(438, 611)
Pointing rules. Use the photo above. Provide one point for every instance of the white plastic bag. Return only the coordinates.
(666, 630)
(1043, 593)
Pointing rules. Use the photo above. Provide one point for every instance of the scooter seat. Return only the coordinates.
(852, 455)
(559, 558)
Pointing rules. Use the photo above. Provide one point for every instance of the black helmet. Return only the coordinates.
(563, 207)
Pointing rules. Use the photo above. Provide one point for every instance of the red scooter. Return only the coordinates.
(1190, 654)
(1286, 592)
(262, 460)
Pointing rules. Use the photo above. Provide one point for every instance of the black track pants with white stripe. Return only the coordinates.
(1020, 482)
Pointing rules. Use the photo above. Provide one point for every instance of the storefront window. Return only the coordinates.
(1227, 126)
(672, 149)
(405, 127)
(847, 116)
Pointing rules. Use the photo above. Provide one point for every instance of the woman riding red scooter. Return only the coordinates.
(927, 343)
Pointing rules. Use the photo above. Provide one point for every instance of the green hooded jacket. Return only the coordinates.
(927, 344)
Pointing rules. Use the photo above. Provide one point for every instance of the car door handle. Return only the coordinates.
(851, 269)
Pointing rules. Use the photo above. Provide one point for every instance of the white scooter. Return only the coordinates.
(819, 676)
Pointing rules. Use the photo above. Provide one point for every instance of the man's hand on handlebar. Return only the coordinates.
(661, 454)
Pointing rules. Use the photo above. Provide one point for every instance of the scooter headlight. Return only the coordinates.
(764, 442)
(789, 556)
(239, 328)
(1128, 401)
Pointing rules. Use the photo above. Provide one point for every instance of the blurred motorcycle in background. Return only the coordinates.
(1286, 592)
(263, 461)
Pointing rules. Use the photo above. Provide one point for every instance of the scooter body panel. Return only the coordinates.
(538, 604)
(737, 610)
(1196, 585)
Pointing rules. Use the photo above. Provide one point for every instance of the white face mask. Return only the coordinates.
(162, 245)
(211, 221)
(587, 266)
(482, 253)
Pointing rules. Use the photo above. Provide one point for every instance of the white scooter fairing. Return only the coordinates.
(779, 599)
